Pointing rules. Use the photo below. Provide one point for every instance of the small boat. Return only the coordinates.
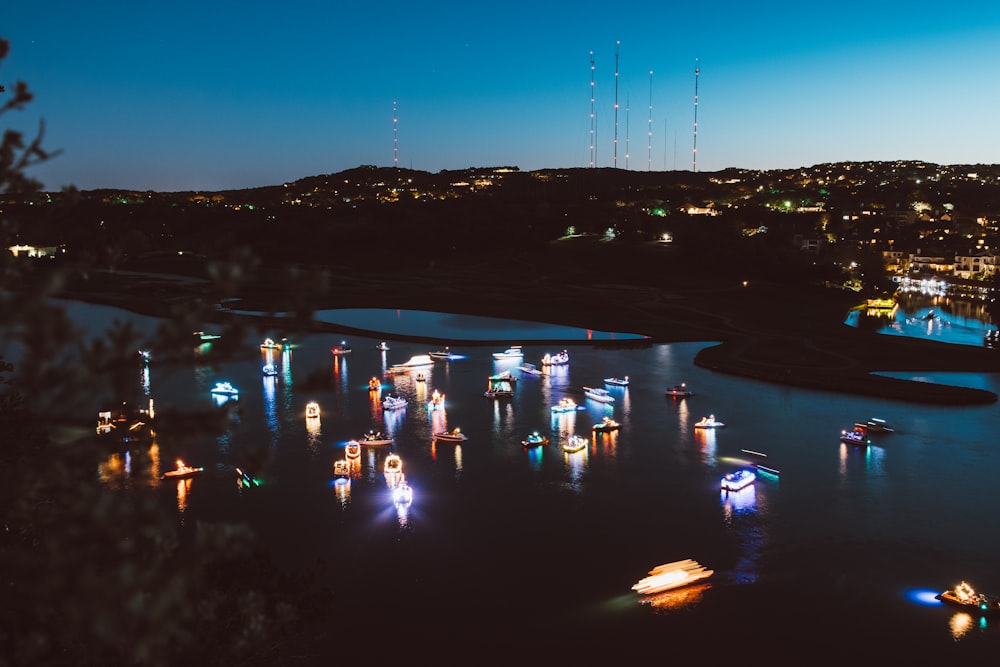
(598, 394)
(269, 344)
(373, 437)
(402, 494)
(735, 481)
(202, 337)
(393, 464)
(708, 422)
(436, 402)
(514, 352)
(565, 404)
(182, 471)
(575, 443)
(374, 384)
(440, 355)
(498, 393)
(535, 439)
(530, 369)
(269, 370)
(393, 403)
(454, 435)
(225, 389)
(606, 425)
(341, 349)
(856, 436)
(421, 377)
(352, 449)
(312, 410)
(244, 478)
(559, 359)
(876, 425)
(617, 382)
(678, 390)
(966, 597)
(671, 575)
(383, 346)
(341, 469)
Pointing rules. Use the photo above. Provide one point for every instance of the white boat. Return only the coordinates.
(373, 437)
(417, 360)
(312, 410)
(575, 443)
(678, 390)
(181, 471)
(708, 422)
(402, 494)
(393, 464)
(353, 449)
(559, 359)
(671, 575)
(598, 394)
(269, 344)
(454, 435)
(876, 425)
(440, 355)
(606, 425)
(393, 403)
(383, 346)
(513, 352)
(341, 469)
(617, 382)
(565, 404)
(269, 370)
(225, 389)
(740, 479)
(341, 349)
(529, 369)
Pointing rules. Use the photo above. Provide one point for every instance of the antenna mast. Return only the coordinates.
(694, 149)
(593, 157)
(649, 127)
(614, 160)
(395, 136)
(627, 107)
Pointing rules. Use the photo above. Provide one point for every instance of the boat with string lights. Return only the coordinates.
(971, 600)
(225, 389)
(617, 382)
(678, 390)
(270, 344)
(606, 425)
(535, 439)
(374, 384)
(709, 422)
(393, 464)
(558, 359)
(375, 438)
(598, 394)
(454, 435)
(393, 403)
(575, 443)
(182, 471)
(352, 449)
(312, 410)
(671, 575)
(565, 404)
(341, 469)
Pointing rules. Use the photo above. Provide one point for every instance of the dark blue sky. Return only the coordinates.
(193, 95)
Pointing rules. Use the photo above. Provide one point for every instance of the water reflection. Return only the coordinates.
(183, 488)
(872, 456)
(270, 383)
(705, 439)
(576, 464)
(314, 430)
(342, 488)
(678, 598)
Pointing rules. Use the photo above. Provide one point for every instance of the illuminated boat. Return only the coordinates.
(606, 425)
(225, 389)
(560, 359)
(373, 437)
(708, 422)
(535, 439)
(436, 402)
(417, 360)
(598, 394)
(421, 377)
(454, 435)
(181, 471)
(513, 352)
(440, 355)
(671, 575)
(968, 598)
(374, 384)
(202, 337)
(383, 346)
(393, 403)
(269, 370)
(740, 479)
(617, 382)
(575, 443)
(402, 494)
(245, 479)
(500, 385)
(341, 349)
(856, 436)
(530, 369)
(352, 449)
(876, 425)
(269, 344)
(565, 404)
(393, 464)
(678, 390)
(312, 410)
(341, 469)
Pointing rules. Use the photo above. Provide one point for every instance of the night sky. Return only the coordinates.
(206, 96)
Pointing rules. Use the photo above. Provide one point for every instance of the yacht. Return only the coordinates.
(876, 425)
(513, 352)
(530, 369)
(617, 382)
(441, 355)
(269, 370)
(598, 394)
(678, 390)
(454, 435)
(963, 595)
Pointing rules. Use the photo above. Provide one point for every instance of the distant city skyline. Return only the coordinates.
(237, 95)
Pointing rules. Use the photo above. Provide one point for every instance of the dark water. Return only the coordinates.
(505, 550)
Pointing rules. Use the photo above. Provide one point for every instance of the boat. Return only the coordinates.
(402, 494)
(341, 469)
(269, 344)
(202, 337)
(856, 436)
(735, 481)
(269, 370)
(966, 597)
(514, 352)
(417, 360)
(352, 449)
(182, 471)
(498, 393)
(671, 575)
(440, 355)
(617, 382)
(876, 425)
(606, 425)
(373, 437)
(500, 385)
(535, 439)
(454, 435)
(559, 359)
(575, 443)
(312, 410)
(530, 369)
(436, 402)
(341, 349)
(243, 478)
(225, 389)
(598, 394)
(708, 422)
(383, 346)
(374, 384)
(678, 390)
(565, 404)
(393, 464)
(393, 403)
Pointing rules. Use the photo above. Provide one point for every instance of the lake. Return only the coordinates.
(518, 552)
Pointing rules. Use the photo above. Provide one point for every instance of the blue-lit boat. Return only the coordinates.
(535, 439)
(617, 382)
(225, 389)
(740, 479)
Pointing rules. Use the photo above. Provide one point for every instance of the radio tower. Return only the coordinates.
(627, 108)
(395, 136)
(694, 149)
(649, 127)
(593, 157)
(614, 159)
